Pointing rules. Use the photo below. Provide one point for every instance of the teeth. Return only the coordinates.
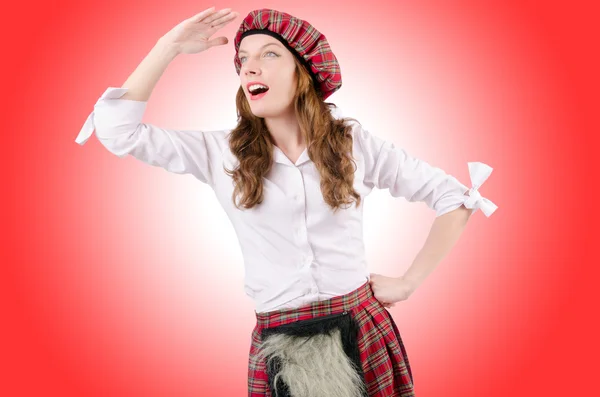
(256, 86)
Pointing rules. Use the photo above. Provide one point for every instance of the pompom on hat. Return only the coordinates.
(304, 41)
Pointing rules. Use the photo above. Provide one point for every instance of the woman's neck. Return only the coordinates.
(286, 133)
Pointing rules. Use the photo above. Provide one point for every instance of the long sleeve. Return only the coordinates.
(119, 128)
(388, 167)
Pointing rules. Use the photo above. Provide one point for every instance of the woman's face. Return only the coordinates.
(266, 61)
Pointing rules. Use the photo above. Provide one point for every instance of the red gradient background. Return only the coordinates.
(120, 279)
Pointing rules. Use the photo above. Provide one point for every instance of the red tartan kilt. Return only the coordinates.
(383, 356)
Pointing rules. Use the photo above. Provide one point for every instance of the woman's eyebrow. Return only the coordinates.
(268, 44)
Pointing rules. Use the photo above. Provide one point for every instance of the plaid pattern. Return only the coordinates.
(309, 44)
(382, 353)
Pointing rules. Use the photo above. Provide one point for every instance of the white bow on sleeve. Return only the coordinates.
(479, 173)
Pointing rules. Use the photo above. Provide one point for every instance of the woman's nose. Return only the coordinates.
(253, 70)
(251, 67)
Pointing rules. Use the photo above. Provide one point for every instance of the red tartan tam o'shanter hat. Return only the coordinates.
(304, 41)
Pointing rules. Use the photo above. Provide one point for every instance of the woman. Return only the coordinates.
(291, 177)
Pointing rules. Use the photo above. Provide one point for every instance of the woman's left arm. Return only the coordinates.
(391, 167)
(443, 235)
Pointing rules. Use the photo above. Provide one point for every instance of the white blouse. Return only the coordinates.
(296, 250)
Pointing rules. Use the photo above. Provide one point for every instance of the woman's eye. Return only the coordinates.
(269, 52)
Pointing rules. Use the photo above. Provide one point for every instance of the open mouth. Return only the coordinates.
(257, 91)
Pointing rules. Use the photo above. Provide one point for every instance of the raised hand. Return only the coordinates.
(192, 35)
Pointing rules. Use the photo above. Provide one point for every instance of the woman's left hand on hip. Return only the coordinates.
(389, 290)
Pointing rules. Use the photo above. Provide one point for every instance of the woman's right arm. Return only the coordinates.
(117, 115)
(144, 78)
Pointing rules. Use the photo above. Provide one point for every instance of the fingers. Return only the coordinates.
(203, 14)
(224, 19)
(217, 41)
(214, 16)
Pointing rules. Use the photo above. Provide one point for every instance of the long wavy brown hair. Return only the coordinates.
(329, 143)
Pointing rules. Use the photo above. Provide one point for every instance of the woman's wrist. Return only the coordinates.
(166, 48)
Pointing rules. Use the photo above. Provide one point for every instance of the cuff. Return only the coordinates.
(88, 126)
